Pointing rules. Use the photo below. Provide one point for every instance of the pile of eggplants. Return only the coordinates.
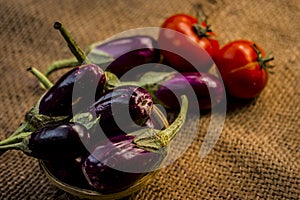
(77, 135)
(120, 55)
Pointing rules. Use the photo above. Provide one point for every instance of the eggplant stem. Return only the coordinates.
(61, 64)
(157, 113)
(41, 77)
(154, 140)
(75, 49)
(15, 139)
(14, 146)
(168, 134)
(22, 128)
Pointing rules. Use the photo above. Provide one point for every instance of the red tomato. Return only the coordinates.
(243, 68)
(191, 44)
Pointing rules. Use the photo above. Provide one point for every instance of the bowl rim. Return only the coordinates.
(91, 194)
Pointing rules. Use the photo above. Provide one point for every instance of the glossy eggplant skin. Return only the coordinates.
(58, 142)
(68, 171)
(207, 88)
(129, 52)
(116, 166)
(122, 110)
(59, 99)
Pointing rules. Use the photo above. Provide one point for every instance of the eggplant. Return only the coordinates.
(116, 166)
(59, 100)
(204, 90)
(121, 161)
(117, 55)
(122, 110)
(65, 141)
(126, 53)
(68, 171)
(73, 93)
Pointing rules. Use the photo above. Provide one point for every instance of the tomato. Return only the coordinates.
(243, 68)
(191, 44)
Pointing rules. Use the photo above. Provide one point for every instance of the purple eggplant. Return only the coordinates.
(123, 109)
(68, 171)
(203, 89)
(127, 53)
(53, 142)
(116, 166)
(117, 55)
(60, 100)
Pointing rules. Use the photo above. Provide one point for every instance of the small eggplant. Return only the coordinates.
(123, 109)
(116, 166)
(67, 171)
(203, 89)
(53, 142)
(117, 55)
(73, 93)
(127, 53)
(59, 99)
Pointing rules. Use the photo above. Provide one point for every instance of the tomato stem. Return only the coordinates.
(263, 61)
(202, 28)
(267, 59)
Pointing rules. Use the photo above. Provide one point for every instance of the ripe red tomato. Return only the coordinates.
(242, 66)
(191, 44)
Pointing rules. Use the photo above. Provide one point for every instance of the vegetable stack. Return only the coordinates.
(96, 132)
(80, 130)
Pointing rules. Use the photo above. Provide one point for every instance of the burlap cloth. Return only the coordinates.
(257, 155)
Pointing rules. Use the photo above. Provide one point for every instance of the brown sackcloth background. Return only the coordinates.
(257, 155)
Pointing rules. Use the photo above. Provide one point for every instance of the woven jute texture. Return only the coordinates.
(257, 155)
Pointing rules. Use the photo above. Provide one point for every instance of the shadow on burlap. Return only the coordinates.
(257, 155)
